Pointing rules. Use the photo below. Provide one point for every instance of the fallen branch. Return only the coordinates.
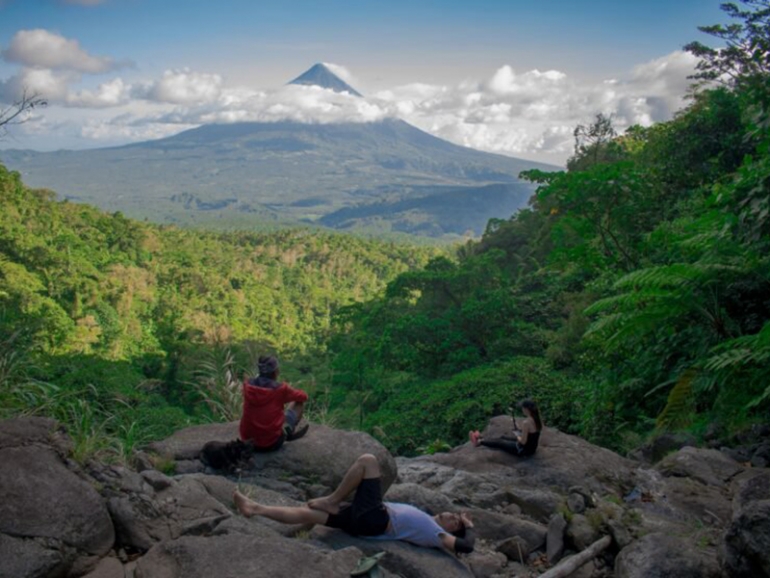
(571, 565)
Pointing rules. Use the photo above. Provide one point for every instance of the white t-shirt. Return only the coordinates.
(412, 525)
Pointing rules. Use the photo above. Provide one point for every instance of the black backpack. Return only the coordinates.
(227, 456)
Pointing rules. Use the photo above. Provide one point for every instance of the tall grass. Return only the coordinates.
(215, 379)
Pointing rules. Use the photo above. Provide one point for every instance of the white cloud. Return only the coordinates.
(109, 94)
(534, 112)
(42, 49)
(50, 85)
(182, 87)
(125, 129)
(530, 113)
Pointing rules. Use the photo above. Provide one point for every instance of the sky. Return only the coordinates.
(512, 77)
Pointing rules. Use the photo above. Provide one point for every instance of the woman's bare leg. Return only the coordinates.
(365, 467)
(283, 514)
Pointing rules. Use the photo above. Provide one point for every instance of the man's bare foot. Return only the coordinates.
(475, 437)
(245, 506)
(325, 504)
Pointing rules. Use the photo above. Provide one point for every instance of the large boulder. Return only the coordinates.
(238, 556)
(664, 556)
(561, 461)
(745, 550)
(495, 489)
(322, 456)
(144, 515)
(49, 514)
(709, 467)
(661, 446)
(494, 526)
(424, 498)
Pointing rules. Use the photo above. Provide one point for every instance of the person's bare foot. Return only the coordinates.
(325, 504)
(245, 506)
(475, 437)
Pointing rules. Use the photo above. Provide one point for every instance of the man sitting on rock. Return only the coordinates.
(368, 516)
(264, 422)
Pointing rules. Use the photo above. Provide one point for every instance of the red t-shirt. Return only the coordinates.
(262, 419)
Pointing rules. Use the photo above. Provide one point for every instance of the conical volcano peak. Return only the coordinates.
(320, 75)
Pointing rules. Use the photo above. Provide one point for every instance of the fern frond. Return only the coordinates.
(641, 324)
(608, 322)
(678, 410)
(742, 351)
(629, 300)
(675, 275)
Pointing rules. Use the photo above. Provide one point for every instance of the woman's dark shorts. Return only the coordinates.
(367, 515)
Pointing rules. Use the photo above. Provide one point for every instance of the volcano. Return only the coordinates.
(320, 75)
(380, 177)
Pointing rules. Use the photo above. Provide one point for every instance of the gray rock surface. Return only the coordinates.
(745, 549)
(515, 548)
(402, 559)
(486, 564)
(108, 568)
(239, 556)
(494, 526)
(666, 521)
(555, 538)
(709, 467)
(581, 532)
(48, 511)
(322, 456)
(664, 556)
(28, 558)
(424, 498)
(143, 518)
(561, 461)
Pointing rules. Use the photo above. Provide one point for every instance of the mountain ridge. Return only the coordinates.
(381, 176)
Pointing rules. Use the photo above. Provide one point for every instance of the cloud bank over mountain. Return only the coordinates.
(529, 113)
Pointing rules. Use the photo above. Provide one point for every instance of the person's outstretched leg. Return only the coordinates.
(283, 514)
(365, 467)
(506, 445)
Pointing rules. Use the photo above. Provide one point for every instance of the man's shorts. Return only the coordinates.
(367, 515)
(290, 418)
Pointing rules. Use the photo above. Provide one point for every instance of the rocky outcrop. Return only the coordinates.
(50, 516)
(237, 556)
(745, 549)
(319, 459)
(62, 520)
(660, 556)
(561, 462)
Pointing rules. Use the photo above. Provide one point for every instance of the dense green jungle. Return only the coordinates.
(632, 296)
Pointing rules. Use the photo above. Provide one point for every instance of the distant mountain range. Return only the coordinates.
(380, 176)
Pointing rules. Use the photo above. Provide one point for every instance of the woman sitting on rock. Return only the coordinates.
(526, 438)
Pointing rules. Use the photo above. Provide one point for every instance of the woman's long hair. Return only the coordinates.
(533, 409)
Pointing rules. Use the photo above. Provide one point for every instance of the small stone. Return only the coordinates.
(512, 510)
(576, 503)
(555, 538)
(157, 480)
(620, 534)
(514, 548)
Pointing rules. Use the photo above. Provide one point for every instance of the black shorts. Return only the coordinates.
(367, 515)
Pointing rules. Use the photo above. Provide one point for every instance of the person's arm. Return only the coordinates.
(463, 545)
(296, 395)
(526, 429)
